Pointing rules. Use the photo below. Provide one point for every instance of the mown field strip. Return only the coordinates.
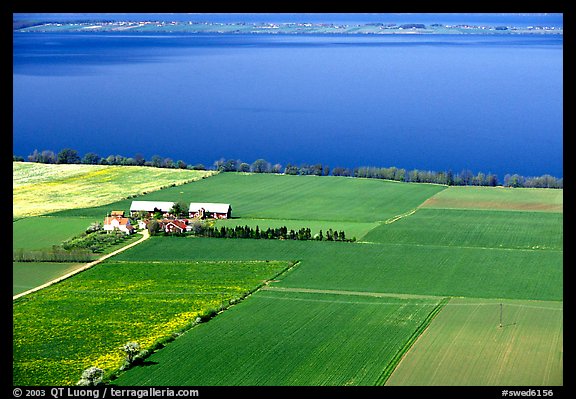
(398, 217)
(557, 306)
(400, 244)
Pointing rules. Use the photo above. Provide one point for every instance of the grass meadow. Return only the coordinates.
(47, 231)
(408, 269)
(351, 229)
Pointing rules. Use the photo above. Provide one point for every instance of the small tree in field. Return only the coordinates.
(91, 376)
(131, 349)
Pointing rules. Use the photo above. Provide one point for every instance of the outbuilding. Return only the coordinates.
(151, 207)
(212, 210)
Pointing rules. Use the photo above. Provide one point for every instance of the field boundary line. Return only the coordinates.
(409, 344)
(460, 246)
(402, 215)
(358, 293)
(470, 301)
(87, 266)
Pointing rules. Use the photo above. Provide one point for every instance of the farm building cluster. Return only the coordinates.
(144, 211)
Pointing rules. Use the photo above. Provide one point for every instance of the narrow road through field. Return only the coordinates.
(145, 236)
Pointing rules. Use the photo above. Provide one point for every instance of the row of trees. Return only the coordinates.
(71, 156)
(463, 178)
(281, 233)
(54, 254)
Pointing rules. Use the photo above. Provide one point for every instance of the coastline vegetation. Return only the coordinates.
(465, 177)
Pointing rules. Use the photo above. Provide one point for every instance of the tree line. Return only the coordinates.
(463, 178)
(280, 233)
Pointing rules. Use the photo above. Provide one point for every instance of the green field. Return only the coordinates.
(65, 328)
(464, 345)
(409, 269)
(285, 197)
(278, 338)
(28, 275)
(478, 228)
(41, 232)
(345, 315)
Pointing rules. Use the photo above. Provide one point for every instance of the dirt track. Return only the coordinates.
(87, 266)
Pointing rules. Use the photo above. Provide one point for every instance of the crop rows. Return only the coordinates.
(278, 338)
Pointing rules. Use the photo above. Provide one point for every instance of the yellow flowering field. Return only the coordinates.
(81, 322)
(43, 188)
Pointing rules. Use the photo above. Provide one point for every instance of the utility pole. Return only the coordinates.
(500, 315)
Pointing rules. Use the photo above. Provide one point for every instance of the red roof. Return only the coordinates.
(179, 223)
(122, 221)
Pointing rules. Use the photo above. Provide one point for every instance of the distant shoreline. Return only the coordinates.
(289, 28)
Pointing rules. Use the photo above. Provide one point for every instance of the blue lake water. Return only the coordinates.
(485, 103)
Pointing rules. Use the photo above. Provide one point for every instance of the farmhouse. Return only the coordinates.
(174, 226)
(150, 206)
(207, 209)
(116, 222)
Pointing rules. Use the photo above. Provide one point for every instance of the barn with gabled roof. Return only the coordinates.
(210, 210)
(151, 207)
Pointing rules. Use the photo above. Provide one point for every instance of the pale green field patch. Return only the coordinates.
(465, 345)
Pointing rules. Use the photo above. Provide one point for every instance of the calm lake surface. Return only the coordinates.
(485, 103)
